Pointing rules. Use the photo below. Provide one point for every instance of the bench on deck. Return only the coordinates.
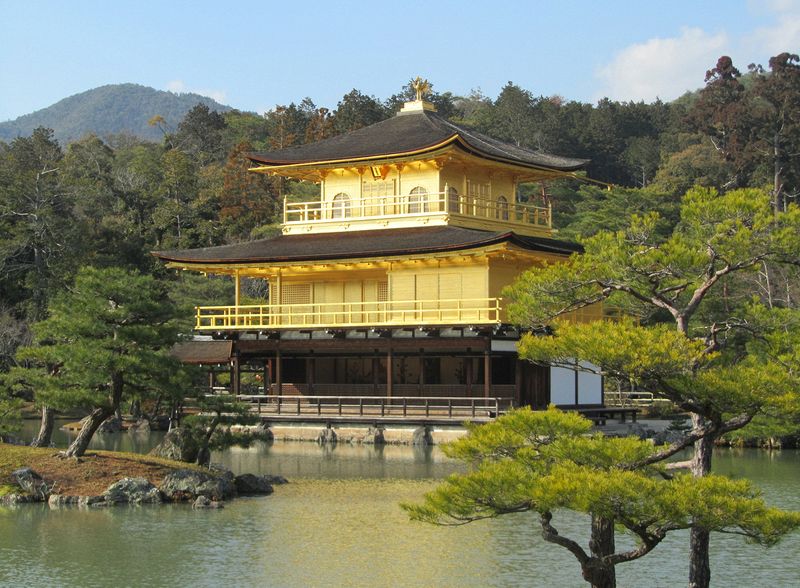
(600, 414)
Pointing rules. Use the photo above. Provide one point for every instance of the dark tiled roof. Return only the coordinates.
(412, 132)
(198, 352)
(346, 245)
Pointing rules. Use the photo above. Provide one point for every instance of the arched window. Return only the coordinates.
(452, 200)
(341, 206)
(418, 200)
(502, 208)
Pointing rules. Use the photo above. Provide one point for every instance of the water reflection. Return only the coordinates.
(338, 523)
(124, 441)
(339, 461)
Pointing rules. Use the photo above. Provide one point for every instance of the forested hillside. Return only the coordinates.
(109, 110)
(68, 204)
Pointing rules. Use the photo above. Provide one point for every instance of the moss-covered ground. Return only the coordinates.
(88, 476)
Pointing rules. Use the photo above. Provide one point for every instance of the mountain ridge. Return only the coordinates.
(108, 110)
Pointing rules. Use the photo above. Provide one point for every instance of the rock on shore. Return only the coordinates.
(132, 491)
(205, 489)
(185, 485)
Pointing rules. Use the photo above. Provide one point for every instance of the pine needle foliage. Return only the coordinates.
(546, 462)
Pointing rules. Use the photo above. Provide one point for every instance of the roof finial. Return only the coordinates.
(421, 87)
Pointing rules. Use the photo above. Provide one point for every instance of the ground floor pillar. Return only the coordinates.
(389, 362)
(278, 374)
(487, 373)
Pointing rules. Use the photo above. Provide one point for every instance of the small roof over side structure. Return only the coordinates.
(202, 352)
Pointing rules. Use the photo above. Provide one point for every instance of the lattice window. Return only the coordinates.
(477, 190)
(296, 294)
(378, 188)
(383, 291)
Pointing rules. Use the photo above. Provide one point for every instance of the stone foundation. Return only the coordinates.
(356, 434)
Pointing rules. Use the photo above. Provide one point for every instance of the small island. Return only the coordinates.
(105, 478)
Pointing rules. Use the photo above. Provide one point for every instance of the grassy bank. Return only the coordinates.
(89, 476)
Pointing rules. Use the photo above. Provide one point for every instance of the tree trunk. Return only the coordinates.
(91, 424)
(136, 409)
(699, 566)
(45, 435)
(777, 186)
(204, 454)
(595, 570)
(97, 417)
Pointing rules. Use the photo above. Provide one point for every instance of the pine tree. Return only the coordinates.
(106, 340)
(545, 462)
(696, 357)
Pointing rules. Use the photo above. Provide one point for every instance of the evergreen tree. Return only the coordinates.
(678, 278)
(105, 340)
(200, 134)
(356, 110)
(544, 462)
(35, 221)
(777, 125)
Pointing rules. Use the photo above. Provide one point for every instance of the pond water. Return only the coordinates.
(338, 523)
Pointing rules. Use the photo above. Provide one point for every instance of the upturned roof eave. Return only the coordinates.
(279, 165)
(175, 259)
(455, 140)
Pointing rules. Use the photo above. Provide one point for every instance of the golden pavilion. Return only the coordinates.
(387, 289)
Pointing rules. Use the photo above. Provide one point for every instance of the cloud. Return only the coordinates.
(179, 87)
(783, 35)
(661, 68)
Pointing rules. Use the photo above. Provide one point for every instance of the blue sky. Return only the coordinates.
(253, 56)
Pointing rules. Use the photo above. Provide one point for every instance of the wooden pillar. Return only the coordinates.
(421, 372)
(468, 373)
(310, 366)
(517, 382)
(487, 373)
(236, 375)
(266, 377)
(389, 361)
(278, 374)
(211, 380)
(376, 366)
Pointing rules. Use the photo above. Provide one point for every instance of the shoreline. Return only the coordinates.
(107, 478)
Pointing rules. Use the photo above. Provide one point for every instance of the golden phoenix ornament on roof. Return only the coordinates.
(421, 87)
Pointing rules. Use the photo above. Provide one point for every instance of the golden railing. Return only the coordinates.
(468, 311)
(414, 205)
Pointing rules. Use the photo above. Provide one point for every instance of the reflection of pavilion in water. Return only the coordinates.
(384, 295)
(340, 461)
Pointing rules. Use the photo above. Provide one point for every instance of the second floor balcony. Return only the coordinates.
(395, 313)
(418, 206)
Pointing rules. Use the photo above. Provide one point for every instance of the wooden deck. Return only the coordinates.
(372, 409)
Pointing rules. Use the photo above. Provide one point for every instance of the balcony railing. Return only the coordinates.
(380, 407)
(415, 205)
(474, 311)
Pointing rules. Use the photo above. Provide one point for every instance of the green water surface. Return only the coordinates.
(337, 523)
